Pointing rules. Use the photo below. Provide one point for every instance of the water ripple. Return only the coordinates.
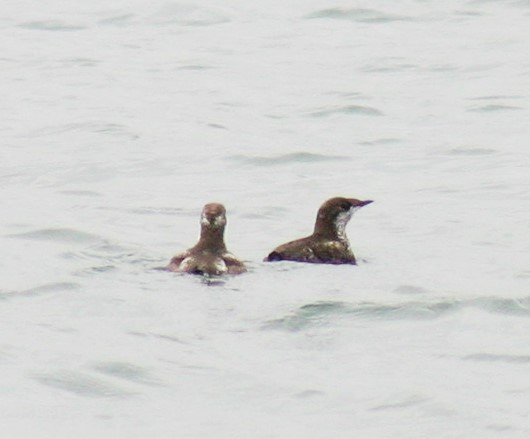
(196, 67)
(472, 151)
(93, 127)
(118, 20)
(286, 159)
(40, 290)
(358, 15)
(51, 25)
(502, 358)
(319, 313)
(125, 371)
(81, 193)
(382, 141)
(407, 402)
(349, 110)
(188, 15)
(82, 384)
(494, 107)
(58, 235)
(170, 211)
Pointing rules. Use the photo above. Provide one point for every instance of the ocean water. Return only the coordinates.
(121, 119)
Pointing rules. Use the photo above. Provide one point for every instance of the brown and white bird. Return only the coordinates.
(209, 256)
(328, 244)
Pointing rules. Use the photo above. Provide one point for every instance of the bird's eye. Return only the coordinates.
(345, 206)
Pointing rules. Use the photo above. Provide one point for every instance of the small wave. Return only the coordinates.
(410, 289)
(93, 127)
(524, 274)
(319, 313)
(98, 269)
(40, 290)
(382, 141)
(349, 109)
(81, 193)
(196, 67)
(305, 394)
(495, 97)
(58, 235)
(217, 126)
(80, 62)
(410, 401)
(165, 337)
(286, 159)
(82, 384)
(117, 20)
(105, 257)
(124, 371)
(472, 151)
(515, 307)
(390, 66)
(170, 211)
(493, 108)
(495, 357)
(357, 14)
(316, 314)
(51, 25)
(188, 15)
(443, 68)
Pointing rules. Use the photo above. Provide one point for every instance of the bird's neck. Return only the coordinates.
(327, 229)
(212, 238)
(332, 228)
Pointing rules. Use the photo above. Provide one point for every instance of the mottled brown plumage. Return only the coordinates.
(209, 256)
(328, 244)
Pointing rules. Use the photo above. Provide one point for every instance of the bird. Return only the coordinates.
(328, 244)
(209, 256)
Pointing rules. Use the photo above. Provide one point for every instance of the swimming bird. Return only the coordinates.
(209, 256)
(328, 244)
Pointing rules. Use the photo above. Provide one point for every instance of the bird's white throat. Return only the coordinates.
(342, 221)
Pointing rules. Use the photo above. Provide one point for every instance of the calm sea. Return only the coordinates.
(121, 119)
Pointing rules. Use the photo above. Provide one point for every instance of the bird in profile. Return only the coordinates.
(328, 244)
(209, 256)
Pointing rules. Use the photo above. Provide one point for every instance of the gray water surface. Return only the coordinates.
(121, 120)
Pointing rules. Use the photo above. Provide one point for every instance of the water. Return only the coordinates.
(121, 120)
